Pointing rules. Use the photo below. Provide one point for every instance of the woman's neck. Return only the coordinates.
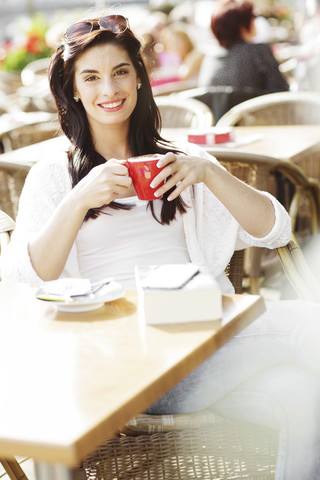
(112, 143)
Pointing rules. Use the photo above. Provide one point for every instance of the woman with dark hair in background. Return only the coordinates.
(240, 63)
(79, 216)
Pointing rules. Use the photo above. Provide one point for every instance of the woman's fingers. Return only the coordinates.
(104, 183)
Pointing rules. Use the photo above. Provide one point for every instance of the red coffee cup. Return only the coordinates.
(143, 170)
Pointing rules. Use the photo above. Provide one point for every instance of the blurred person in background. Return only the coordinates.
(240, 63)
(178, 57)
(178, 42)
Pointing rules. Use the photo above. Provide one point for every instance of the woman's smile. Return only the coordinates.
(113, 106)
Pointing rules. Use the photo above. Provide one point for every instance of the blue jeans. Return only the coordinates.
(268, 374)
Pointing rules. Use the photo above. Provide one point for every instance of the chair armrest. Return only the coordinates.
(298, 271)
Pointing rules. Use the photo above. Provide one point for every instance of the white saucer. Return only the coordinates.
(72, 307)
(110, 292)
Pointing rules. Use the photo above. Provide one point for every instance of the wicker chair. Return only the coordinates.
(183, 113)
(258, 171)
(281, 108)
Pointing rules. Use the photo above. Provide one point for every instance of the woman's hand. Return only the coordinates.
(103, 184)
(180, 171)
(252, 209)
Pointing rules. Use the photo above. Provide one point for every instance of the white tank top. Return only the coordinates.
(112, 244)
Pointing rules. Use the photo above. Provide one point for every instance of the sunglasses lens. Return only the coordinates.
(114, 23)
(80, 28)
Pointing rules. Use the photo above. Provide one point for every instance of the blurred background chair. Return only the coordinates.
(26, 128)
(220, 99)
(281, 108)
(12, 178)
(29, 133)
(183, 113)
(13, 174)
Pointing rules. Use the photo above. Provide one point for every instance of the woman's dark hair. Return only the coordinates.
(229, 18)
(145, 121)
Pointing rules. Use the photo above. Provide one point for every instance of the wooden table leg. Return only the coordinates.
(13, 469)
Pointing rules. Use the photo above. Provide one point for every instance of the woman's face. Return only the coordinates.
(106, 82)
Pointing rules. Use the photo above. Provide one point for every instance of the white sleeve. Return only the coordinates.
(280, 234)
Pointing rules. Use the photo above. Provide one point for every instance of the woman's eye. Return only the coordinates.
(91, 78)
(119, 73)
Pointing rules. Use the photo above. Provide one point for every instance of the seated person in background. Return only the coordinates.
(79, 216)
(178, 58)
(241, 62)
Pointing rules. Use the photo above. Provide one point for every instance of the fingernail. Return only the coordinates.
(157, 194)
(152, 185)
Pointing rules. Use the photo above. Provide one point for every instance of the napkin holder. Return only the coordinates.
(198, 299)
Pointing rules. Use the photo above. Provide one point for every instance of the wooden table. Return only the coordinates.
(70, 381)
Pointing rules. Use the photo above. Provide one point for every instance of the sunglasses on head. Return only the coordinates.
(113, 23)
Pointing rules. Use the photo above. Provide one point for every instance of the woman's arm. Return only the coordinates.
(49, 248)
(252, 209)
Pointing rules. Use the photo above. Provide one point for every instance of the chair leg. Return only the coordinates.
(13, 469)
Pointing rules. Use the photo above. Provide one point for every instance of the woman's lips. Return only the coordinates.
(112, 106)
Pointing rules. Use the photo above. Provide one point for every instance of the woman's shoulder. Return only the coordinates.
(53, 161)
(51, 172)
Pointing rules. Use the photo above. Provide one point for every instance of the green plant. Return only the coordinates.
(16, 55)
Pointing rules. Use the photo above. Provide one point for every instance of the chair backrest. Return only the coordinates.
(220, 99)
(29, 134)
(12, 178)
(281, 108)
(260, 172)
(183, 113)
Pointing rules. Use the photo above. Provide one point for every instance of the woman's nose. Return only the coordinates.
(110, 87)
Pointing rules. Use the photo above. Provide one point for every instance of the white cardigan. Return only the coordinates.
(212, 234)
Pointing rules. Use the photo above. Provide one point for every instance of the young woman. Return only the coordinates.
(79, 217)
